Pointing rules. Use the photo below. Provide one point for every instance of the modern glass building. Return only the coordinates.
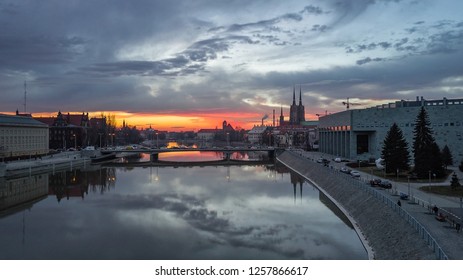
(358, 134)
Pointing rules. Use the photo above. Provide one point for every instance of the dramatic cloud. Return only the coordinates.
(243, 57)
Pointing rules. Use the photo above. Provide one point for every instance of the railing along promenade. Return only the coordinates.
(362, 185)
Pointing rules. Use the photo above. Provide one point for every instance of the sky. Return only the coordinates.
(186, 65)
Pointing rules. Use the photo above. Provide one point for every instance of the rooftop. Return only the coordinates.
(10, 120)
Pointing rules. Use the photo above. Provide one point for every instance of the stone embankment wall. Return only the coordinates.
(385, 234)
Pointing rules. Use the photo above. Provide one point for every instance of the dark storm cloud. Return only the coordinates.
(368, 60)
(260, 25)
(383, 79)
(271, 25)
(207, 49)
(19, 52)
(190, 61)
(319, 28)
(444, 40)
(314, 10)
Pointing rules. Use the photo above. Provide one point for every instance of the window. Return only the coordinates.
(362, 144)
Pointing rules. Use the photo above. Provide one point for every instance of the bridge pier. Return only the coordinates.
(154, 157)
(227, 155)
(271, 154)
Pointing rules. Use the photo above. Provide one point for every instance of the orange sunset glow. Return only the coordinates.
(176, 122)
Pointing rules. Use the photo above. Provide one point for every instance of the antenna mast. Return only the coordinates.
(25, 96)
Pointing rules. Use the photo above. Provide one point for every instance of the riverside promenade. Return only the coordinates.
(390, 231)
(37, 165)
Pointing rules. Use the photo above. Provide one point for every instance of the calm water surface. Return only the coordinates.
(236, 212)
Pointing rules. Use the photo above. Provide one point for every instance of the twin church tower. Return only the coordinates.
(296, 112)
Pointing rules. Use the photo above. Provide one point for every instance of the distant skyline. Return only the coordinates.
(182, 65)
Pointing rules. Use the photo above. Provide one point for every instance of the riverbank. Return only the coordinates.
(380, 227)
(51, 163)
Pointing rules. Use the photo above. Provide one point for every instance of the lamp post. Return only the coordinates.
(75, 141)
(112, 139)
(100, 139)
(408, 179)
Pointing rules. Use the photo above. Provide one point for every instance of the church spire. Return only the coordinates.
(282, 118)
(300, 95)
(294, 95)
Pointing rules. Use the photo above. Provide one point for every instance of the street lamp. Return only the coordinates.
(75, 141)
(408, 179)
(112, 139)
(100, 139)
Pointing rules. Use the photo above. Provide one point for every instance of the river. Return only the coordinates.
(214, 212)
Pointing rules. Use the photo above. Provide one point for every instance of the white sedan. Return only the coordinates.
(355, 174)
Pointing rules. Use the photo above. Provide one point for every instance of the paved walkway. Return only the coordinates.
(420, 207)
(33, 161)
(42, 164)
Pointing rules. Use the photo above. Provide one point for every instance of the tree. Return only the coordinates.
(395, 150)
(427, 157)
(447, 158)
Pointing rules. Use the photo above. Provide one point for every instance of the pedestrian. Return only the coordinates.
(399, 203)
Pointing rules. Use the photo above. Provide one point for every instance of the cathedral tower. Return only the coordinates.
(293, 110)
(300, 108)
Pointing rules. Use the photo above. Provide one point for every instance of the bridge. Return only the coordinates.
(271, 151)
(164, 163)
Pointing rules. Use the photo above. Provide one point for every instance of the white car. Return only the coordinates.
(337, 159)
(355, 174)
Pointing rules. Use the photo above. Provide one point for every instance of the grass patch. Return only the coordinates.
(443, 190)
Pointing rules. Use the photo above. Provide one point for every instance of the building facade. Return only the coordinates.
(359, 134)
(76, 131)
(22, 136)
(256, 134)
(226, 133)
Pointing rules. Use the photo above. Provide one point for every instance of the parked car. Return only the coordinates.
(403, 196)
(345, 170)
(338, 159)
(385, 185)
(375, 182)
(355, 173)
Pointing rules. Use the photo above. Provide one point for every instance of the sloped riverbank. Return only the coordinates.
(385, 234)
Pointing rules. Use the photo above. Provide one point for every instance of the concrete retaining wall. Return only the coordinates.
(380, 228)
